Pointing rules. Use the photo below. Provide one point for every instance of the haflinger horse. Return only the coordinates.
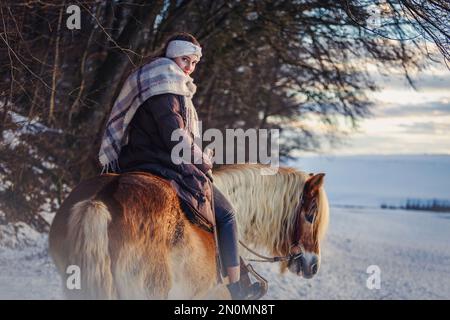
(130, 239)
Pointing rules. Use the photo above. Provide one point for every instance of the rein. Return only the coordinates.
(272, 259)
(296, 243)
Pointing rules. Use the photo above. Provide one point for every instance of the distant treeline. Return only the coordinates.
(422, 204)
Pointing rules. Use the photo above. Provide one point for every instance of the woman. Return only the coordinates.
(154, 102)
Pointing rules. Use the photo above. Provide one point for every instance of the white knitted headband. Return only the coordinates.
(178, 48)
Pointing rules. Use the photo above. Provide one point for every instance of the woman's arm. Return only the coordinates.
(166, 110)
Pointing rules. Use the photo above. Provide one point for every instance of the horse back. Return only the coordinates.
(129, 197)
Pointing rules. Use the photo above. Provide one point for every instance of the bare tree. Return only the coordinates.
(266, 64)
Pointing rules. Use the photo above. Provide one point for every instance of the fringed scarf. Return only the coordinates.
(160, 76)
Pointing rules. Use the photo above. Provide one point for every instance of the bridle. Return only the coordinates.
(295, 243)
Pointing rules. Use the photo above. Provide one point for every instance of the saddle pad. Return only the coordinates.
(195, 217)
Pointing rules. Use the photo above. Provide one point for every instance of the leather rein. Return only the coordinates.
(295, 244)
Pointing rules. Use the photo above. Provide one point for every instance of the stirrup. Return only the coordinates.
(246, 282)
(239, 291)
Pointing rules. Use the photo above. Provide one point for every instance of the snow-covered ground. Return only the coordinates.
(26, 270)
(411, 248)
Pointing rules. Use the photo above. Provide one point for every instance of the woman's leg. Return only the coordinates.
(227, 234)
(228, 243)
(234, 274)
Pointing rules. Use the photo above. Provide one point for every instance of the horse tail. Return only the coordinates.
(88, 244)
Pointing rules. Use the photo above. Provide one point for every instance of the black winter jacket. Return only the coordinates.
(149, 149)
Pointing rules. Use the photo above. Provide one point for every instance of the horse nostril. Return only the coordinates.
(314, 268)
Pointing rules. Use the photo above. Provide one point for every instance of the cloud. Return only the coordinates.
(436, 108)
(430, 82)
(403, 120)
(435, 77)
(427, 81)
(428, 127)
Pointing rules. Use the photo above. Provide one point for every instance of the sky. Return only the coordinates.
(404, 120)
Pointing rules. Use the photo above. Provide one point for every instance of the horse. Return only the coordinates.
(130, 238)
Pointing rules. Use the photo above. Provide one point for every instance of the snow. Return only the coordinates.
(411, 248)
(18, 235)
(26, 270)
(25, 126)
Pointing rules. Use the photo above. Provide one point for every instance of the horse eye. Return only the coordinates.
(310, 218)
(311, 213)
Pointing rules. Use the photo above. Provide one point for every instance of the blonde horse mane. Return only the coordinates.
(266, 205)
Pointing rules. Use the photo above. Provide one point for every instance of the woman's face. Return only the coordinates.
(187, 63)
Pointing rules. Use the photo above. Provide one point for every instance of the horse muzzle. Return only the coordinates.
(306, 265)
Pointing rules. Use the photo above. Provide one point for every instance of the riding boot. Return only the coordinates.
(238, 291)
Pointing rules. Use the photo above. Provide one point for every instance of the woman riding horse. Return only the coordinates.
(154, 102)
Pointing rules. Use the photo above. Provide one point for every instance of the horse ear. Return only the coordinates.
(314, 183)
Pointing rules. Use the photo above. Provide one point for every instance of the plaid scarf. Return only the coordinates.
(160, 76)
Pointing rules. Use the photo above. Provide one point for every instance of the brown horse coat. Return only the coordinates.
(130, 238)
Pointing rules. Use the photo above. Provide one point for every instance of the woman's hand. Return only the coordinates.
(209, 153)
(209, 175)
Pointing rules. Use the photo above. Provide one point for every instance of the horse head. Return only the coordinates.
(285, 214)
(311, 220)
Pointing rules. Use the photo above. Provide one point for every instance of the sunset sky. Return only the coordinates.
(404, 121)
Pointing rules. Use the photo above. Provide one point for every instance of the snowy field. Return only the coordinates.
(411, 248)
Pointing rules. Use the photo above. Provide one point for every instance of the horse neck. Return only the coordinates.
(264, 204)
